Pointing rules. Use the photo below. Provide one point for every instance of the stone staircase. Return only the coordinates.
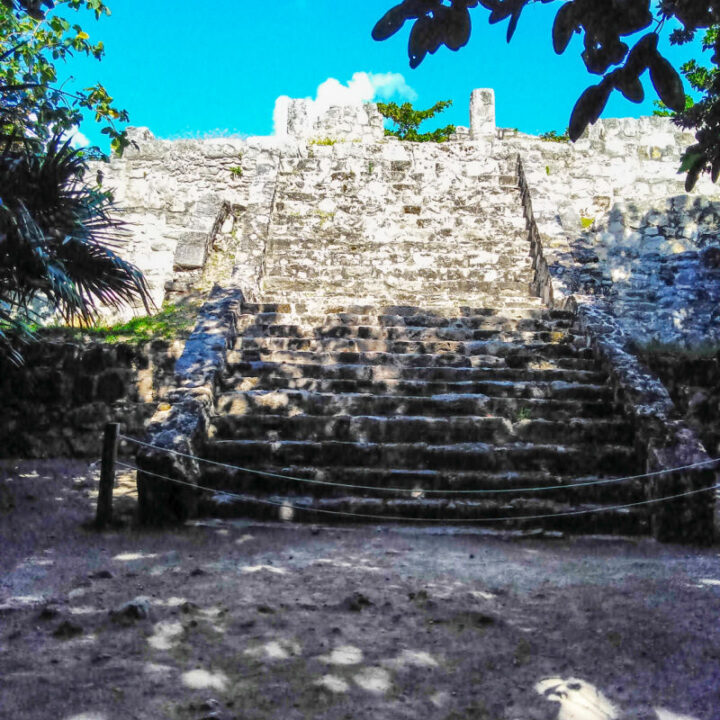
(451, 407)
(396, 345)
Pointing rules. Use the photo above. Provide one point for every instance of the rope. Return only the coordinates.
(493, 491)
(398, 518)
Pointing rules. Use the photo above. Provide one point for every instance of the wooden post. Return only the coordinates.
(107, 476)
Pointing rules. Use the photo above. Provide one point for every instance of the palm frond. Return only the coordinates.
(58, 237)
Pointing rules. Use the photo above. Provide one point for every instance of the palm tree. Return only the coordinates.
(58, 240)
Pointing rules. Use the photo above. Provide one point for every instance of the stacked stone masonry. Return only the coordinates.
(611, 211)
(58, 403)
(451, 318)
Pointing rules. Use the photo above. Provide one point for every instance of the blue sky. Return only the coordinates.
(187, 69)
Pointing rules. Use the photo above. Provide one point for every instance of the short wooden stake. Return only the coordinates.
(107, 476)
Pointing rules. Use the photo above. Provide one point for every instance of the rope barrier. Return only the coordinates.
(492, 491)
(398, 518)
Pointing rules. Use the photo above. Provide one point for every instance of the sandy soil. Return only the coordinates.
(240, 620)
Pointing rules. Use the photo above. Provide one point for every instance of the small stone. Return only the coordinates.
(101, 575)
(266, 609)
(67, 629)
(355, 602)
(48, 613)
(197, 572)
(137, 609)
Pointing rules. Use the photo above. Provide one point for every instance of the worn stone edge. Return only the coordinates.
(183, 426)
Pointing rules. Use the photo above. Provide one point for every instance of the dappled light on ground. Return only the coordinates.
(320, 622)
(345, 655)
(373, 679)
(412, 659)
(266, 568)
(333, 683)
(275, 650)
(166, 634)
(205, 680)
(579, 700)
(131, 556)
(156, 669)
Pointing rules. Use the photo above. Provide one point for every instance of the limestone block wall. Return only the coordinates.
(612, 215)
(171, 196)
(300, 119)
(58, 402)
(615, 221)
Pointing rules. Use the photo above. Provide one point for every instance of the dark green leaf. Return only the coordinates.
(667, 83)
(389, 23)
(588, 109)
(563, 27)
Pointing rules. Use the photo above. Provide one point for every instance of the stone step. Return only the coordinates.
(511, 307)
(426, 369)
(433, 430)
(412, 265)
(322, 344)
(618, 460)
(414, 388)
(524, 307)
(474, 356)
(391, 327)
(384, 483)
(412, 316)
(505, 404)
(525, 515)
(304, 234)
(409, 285)
(403, 380)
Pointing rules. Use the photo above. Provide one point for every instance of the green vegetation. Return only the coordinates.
(323, 141)
(408, 119)
(236, 171)
(554, 136)
(523, 414)
(58, 239)
(173, 321)
(586, 222)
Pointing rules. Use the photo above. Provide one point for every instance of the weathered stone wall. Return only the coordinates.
(615, 220)
(694, 385)
(57, 404)
(611, 214)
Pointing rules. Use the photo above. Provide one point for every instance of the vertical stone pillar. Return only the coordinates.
(482, 113)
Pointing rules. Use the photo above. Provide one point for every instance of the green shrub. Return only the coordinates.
(408, 119)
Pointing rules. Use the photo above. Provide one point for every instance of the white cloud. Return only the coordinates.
(79, 140)
(361, 88)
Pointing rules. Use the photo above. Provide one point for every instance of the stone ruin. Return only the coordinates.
(611, 212)
(426, 331)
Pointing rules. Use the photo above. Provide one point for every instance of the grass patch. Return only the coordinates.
(174, 321)
(323, 141)
(586, 222)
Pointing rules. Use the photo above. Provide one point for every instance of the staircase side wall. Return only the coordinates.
(615, 221)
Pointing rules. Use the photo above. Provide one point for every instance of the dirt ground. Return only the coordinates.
(240, 620)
